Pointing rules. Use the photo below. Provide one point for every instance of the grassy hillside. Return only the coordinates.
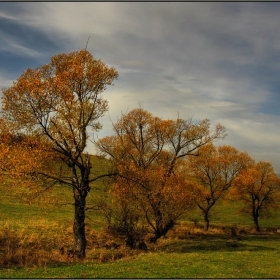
(186, 252)
(56, 206)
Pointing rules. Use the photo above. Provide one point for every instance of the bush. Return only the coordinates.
(125, 223)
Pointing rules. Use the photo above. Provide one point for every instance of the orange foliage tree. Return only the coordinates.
(54, 105)
(148, 154)
(212, 173)
(258, 187)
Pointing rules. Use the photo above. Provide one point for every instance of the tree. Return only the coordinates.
(124, 218)
(55, 104)
(148, 154)
(212, 173)
(258, 188)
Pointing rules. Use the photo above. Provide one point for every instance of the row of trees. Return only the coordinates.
(159, 168)
(166, 168)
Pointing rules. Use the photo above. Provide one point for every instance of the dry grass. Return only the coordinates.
(183, 231)
(41, 242)
(22, 248)
(102, 247)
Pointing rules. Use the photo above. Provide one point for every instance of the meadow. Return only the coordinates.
(35, 240)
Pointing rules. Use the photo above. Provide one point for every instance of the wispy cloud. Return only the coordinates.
(208, 60)
(11, 46)
(7, 16)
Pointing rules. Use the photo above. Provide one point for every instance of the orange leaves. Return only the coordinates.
(213, 172)
(56, 104)
(80, 69)
(149, 155)
(186, 136)
(218, 167)
(258, 187)
(21, 159)
(258, 180)
(60, 99)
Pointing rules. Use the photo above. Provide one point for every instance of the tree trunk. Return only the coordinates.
(162, 231)
(80, 191)
(79, 224)
(255, 214)
(206, 221)
(256, 223)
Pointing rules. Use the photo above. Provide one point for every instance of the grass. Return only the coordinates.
(224, 213)
(215, 257)
(33, 236)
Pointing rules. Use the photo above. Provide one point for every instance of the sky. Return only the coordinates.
(214, 60)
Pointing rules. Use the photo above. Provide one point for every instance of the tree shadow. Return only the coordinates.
(215, 243)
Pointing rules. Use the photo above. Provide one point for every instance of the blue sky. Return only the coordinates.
(219, 61)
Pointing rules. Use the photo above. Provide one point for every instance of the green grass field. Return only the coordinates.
(215, 257)
(186, 251)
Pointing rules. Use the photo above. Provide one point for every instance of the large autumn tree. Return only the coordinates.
(55, 105)
(148, 154)
(212, 173)
(258, 187)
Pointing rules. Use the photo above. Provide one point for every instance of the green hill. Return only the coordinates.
(32, 235)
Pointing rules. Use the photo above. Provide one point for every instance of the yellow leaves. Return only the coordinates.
(258, 179)
(149, 154)
(60, 99)
(21, 158)
(79, 66)
(53, 106)
(214, 171)
(258, 188)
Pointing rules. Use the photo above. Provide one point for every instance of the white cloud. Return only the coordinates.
(7, 16)
(19, 49)
(12, 45)
(5, 82)
(259, 135)
(207, 60)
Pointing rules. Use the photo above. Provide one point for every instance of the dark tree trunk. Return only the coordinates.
(256, 223)
(161, 231)
(206, 221)
(255, 214)
(80, 191)
(79, 224)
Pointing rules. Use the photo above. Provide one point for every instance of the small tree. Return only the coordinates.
(148, 155)
(212, 173)
(258, 188)
(55, 104)
(125, 220)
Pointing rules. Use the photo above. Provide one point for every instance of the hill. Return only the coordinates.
(33, 235)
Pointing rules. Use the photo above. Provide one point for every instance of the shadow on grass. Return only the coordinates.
(217, 243)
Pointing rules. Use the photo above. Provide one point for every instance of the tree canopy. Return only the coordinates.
(148, 154)
(258, 187)
(212, 173)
